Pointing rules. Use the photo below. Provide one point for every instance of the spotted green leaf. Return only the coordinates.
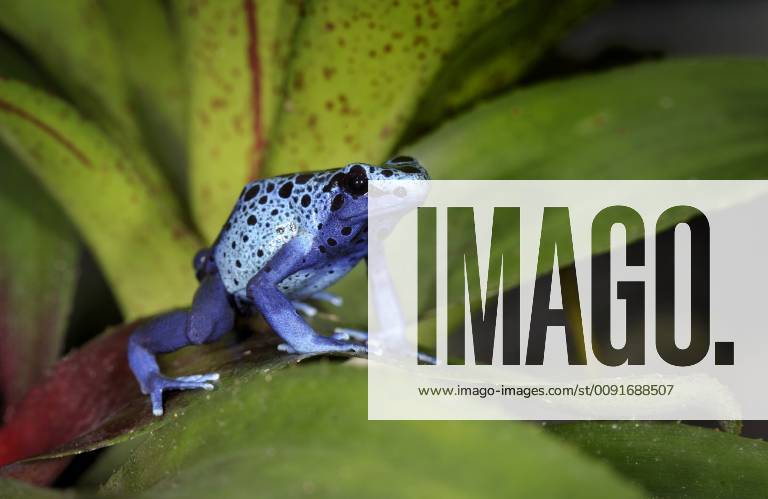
(497, 56)
(359, 72)
(122, 207)
(236, 53)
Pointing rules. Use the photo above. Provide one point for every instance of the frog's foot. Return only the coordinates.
(159, 383)
(331, 298)
(304, 308)
(347, 334)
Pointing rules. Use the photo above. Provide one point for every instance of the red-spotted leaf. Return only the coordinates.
(38, 271)
(359, 72)
(236, 52)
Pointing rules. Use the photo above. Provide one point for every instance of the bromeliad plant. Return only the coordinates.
(130, 127)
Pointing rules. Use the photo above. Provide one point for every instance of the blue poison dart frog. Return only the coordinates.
(286, 240)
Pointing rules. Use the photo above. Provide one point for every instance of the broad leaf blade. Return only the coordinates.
(358, 75)
(673, 460)
(305, 430)
(38, 271)
(73, 42)
(13, 489)
(150, 54)
(90, 398)
(236, 52)
(122, 206)
(669, 120)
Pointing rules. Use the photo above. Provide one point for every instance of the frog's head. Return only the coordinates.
(398, 185)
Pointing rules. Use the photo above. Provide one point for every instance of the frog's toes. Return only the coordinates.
(304, 308)
(347, 334)
(328, 345)
(161, 383)
(331, 298)
(427, 359)
(285, 347)
(199, 377)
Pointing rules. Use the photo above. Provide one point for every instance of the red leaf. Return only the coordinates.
(90, 399)
(38, 269)
(82, 390)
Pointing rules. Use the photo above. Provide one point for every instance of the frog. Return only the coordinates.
(286, 240)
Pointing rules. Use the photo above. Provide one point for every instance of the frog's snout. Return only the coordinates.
(409, 166)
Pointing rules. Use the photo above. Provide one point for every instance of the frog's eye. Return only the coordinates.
(355, 182)
(401, 159)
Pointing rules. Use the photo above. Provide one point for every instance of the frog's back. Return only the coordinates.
(268, 214)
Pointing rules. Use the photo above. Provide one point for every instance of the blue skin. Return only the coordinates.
(287, 239)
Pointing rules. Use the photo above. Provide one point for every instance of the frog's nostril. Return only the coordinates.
(402, 159)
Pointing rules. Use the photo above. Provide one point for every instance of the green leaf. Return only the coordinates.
(150, 54)
(359, 73)
(73, 42)
(236, 53)
(14, 64)
(674, 460)
(14, 489)
(121, 205)
(304, 430)
(38, 271)
(670, 120)
(497, 56)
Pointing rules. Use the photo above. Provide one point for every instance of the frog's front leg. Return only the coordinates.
(210, 317)
(278, 310)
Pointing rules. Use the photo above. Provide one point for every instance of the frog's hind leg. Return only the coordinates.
(210, 317)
